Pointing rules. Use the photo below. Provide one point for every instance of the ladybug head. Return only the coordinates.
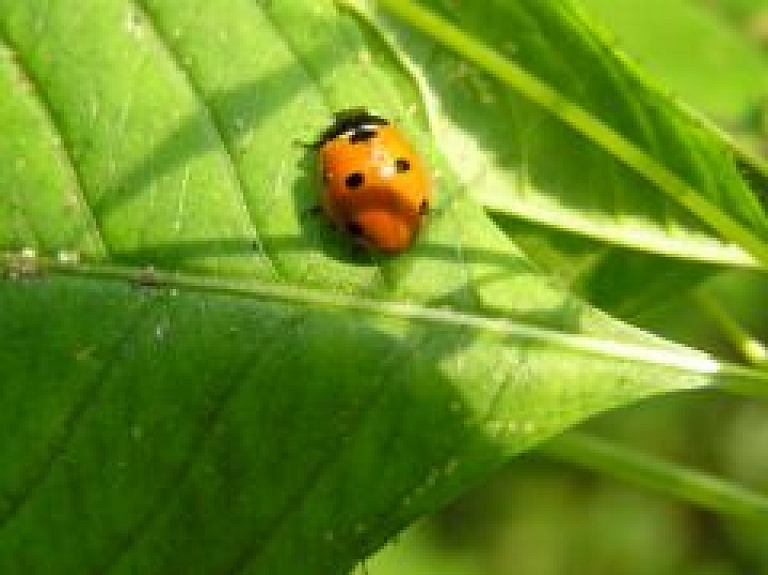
(349, 120)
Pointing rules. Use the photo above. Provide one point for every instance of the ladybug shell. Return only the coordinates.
(376, 187)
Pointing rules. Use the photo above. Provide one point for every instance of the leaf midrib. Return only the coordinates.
(671, 355)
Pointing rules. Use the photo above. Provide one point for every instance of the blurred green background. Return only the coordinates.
(542, 517)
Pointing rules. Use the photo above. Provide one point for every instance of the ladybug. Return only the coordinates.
(376, 188)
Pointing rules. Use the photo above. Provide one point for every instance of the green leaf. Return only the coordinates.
(197, 374)
(583, 152)
(688, 47)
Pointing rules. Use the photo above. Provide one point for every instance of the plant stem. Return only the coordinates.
(688, 485)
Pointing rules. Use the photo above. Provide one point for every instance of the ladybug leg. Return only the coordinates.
(312, 211)
(314, 146)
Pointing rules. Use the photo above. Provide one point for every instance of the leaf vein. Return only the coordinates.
(313, 78)
(217, 125)
(37, 94)
(296, 504)
(63, 438)
(164, 498)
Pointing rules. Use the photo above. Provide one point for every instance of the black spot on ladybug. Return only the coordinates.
(402, 165)
(424, 207)
(361, 135)
(354, 180)
(354, 229)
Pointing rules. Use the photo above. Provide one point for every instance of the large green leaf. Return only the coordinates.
(197, 374)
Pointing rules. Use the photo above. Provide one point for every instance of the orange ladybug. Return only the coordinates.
(376, 188)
